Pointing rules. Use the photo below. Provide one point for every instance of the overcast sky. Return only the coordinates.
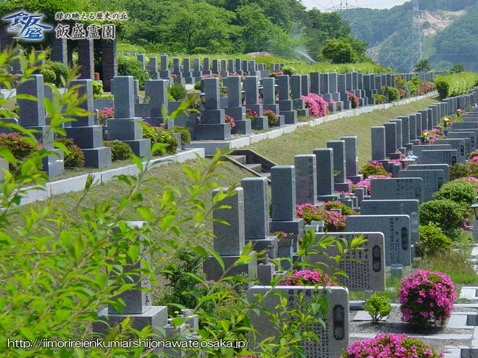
(375, 4)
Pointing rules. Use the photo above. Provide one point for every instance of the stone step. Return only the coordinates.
(255, 167)
(239, 158)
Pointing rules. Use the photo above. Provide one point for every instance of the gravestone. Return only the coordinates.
(365, 268)
(396, 188)
(164, 71)
(59, 50)
(463, 146)
(125, 126)
(398, 128)
(306, 178)
(157, 91)
(197, 73)
(256, 219)
(138, 305)
(234, 106)
(334, 339)
(109, 63)
(153, 68)
(269, 98)
(340, 173)
(187, 74)
(140, 57)
(284, 205)
(212, 124)
(87, 135)
(405, 131)
(471, 135)
(325, 174)
(229, 239)
(86, 59)
(378, 143)
(32, 116)
(395, 228)
(206, 66)
(413, 127)
(408, 207)
(305, 85)
(418, 149)
(296, 94)
(251, 85)
(443, 156)
(390, 139)
(351, 158)
(444, 167)
(286, 104)
(314, 83)
(433, 179)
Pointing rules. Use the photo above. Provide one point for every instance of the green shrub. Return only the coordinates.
(163, 136)
(469, 169)
(119, 150)
(460, 191)
(432, 240)
(49, 76)
(61, 72)
(18, 145)
(379, 98)
(391, 93)
(177, 91)
(75, 156)
(97, 89)
(130, 66)
(445, 214)
(346, 210)
(197, 86)
(289, 70)
(373, 168)
(378, 306)
(185, 133)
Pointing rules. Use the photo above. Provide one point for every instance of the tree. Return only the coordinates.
(422, 65)
(457, 68)
(338, 51)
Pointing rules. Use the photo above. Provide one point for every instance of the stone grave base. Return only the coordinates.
(97, 157)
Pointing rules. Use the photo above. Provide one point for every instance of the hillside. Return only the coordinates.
(446, 30)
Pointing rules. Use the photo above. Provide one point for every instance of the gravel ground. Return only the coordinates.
(438, 338)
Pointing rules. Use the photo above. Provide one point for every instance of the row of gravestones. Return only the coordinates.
(212, 124)
(389, 221)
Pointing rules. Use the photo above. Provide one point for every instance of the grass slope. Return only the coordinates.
(305, 139)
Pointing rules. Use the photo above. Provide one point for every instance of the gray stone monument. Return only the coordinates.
(87, 135)
(395, 228)
(138, 303)
(32, 116)
(334, 339)
(234, 106)
(125, 126)
(230, 239)
(306, 178)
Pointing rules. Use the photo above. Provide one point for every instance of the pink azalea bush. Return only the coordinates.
(426, 298)
(230, 120)
(333, 221)
(272, 118)
(307, 278)
(317, 105)
(390, 345)
(105, 113)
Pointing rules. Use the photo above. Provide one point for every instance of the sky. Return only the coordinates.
(374, 4)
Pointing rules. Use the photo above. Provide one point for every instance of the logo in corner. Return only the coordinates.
(27, 26)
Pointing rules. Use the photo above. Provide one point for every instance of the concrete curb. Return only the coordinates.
(76, 184)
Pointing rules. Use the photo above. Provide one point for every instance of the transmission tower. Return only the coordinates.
(344, 5)
(416, 50)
